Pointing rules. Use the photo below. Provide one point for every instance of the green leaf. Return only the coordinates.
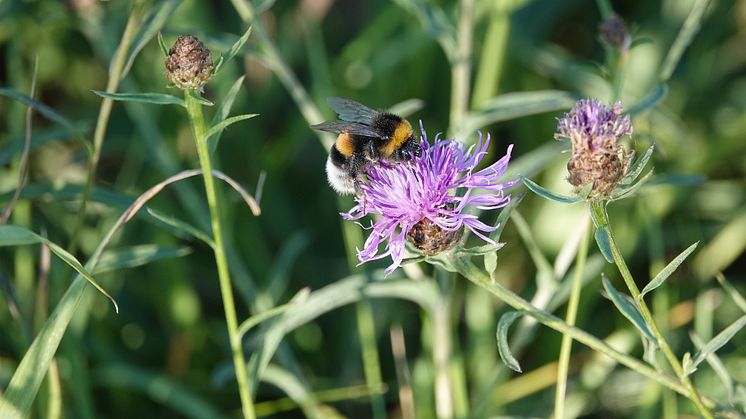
(717, 365)
(716, 343)
(677, 180)
(516, 105)
(602, 240)
(151, 26)
(648, 102)
(223, 111)
(134, 256)
(436, 24)
(643, 40)
(624, 192)
(732, 291)
(667, 271)
(503, 348)
(162, 44)
(43, 109)
(502, 219)
(233, 51)
(262, 6)
(627, 308)
(153, 98)
(181, 226)
(546, 194)
(198, 97)
(407, 107)
(490, 263)
(227, 122)
(11, 235)
(683, 39)
(636, 168)
(160, 388)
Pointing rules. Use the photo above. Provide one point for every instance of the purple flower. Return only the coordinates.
(594, 130)
(425, 200)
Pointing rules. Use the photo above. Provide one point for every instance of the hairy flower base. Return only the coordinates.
(602, 170)
(189, 63)
(427, 199)
(430, 239)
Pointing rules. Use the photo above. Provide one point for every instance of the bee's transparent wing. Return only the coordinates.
(339, 127)
(351, 111)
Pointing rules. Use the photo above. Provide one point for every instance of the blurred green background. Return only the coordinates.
(166, 353)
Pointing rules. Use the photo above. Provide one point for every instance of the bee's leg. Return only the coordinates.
(357, 174)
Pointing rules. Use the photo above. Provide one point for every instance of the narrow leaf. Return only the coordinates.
(233, 51)
(627, 308)
(134, 256)
(436, 24)
(503, 348)
(717, 365)
(162, 44)
(716, 343)
(648, 102)
(43, 109)
(688, 30)
(667, 271)
(546, 194)
(516, 105)
(11, 235)
(148, 29)
(624, 192)
(181, 226)
(732, 291)
(153, 98)
(636, 168)
(227, 122)
(222, 112)
(602, 239)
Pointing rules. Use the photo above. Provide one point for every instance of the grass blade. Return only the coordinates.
(43, 109)
(668, 270)
(134, 256)
(502, 340)
(11, 235)
(152, 25)
(732, 291)
(683, 39)
(716, 343)
(152, 98)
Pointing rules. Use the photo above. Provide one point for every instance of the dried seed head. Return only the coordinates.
(613, 32)
(189, 63)
(432, 239)
(594, 130)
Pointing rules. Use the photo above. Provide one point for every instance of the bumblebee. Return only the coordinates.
(366, 137)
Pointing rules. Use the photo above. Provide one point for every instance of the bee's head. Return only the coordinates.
(410, 148)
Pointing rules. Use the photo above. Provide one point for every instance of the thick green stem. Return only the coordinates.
(194, 108)
(480, 278)
(599, 210)
(572, 313)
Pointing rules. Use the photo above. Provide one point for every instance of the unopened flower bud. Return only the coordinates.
(189, 63)
(432, 239)
(613, 32)
(597, 159)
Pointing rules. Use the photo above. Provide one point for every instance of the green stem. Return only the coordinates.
(194, 108)
(572, 313)
(482, 279)
(598, 208)
(115, 75)
(492, 60)
(461, 68)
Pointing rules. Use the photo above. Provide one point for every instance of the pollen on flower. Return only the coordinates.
(189, 63)
(427, 200)
(594, 130)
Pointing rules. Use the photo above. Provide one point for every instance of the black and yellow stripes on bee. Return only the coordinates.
(402, 133)
(345, 144)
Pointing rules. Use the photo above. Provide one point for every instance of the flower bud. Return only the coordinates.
(189, 63)
(613, 33)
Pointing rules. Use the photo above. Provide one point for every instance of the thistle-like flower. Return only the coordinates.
(597, 159)
(189, 63)
(613, 33)
(426, 199)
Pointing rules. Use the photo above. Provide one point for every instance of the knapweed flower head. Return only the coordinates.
(426, 200)
(189, 63)
(594, 130)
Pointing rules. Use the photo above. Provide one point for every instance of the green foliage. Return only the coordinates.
(167, 352)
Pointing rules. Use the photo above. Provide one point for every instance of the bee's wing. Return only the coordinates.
(339, 127)
(351, 111)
